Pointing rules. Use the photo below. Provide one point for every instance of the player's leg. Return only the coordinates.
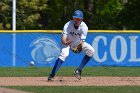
(56, 67)
(64, 53)
(89, 50)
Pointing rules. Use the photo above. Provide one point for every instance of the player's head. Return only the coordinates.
(77, 17)
(78, 14)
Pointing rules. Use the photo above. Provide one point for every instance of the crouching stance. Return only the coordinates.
(73, 37)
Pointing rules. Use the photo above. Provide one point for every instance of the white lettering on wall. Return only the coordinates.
(117, 50)
(133, 49)
(114, 49)
(95, 45)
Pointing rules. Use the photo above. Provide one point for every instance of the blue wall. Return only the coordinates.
(112, 49)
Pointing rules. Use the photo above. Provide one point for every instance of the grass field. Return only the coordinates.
(80, 89)
(68, 71)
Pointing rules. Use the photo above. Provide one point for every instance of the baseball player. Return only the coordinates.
(73, 37)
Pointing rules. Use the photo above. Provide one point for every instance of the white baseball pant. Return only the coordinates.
(86, 48)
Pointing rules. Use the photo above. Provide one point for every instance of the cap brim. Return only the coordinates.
(77, 17)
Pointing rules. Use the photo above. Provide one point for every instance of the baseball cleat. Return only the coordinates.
(77, 72)
(50, 78)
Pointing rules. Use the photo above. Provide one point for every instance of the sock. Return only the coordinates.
(84, 62)
(56, 67)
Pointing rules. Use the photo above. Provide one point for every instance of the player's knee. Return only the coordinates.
(90, 52)
(63, 56)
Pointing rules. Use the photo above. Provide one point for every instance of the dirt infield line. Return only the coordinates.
(70, 81)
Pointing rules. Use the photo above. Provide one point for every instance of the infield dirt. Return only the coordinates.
(70, 81)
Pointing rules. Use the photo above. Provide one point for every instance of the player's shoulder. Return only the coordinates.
(69, 22)
(83, 25)
(68, 25)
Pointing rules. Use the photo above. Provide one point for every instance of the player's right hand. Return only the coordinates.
(66, 42)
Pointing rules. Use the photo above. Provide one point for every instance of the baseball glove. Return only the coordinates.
(77, 49)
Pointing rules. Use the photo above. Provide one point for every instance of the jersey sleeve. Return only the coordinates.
(65, 32)
(84, 33)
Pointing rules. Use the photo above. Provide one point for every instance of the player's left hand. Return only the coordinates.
(78, 48)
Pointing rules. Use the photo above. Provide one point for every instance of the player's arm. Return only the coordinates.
(64, 40)
(84, 34)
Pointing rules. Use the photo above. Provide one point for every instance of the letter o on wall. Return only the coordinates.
(113, 49)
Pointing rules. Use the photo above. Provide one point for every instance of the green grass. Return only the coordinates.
(68, 71)
(80, 89)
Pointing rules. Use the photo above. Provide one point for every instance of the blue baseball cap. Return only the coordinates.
(78, 14)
